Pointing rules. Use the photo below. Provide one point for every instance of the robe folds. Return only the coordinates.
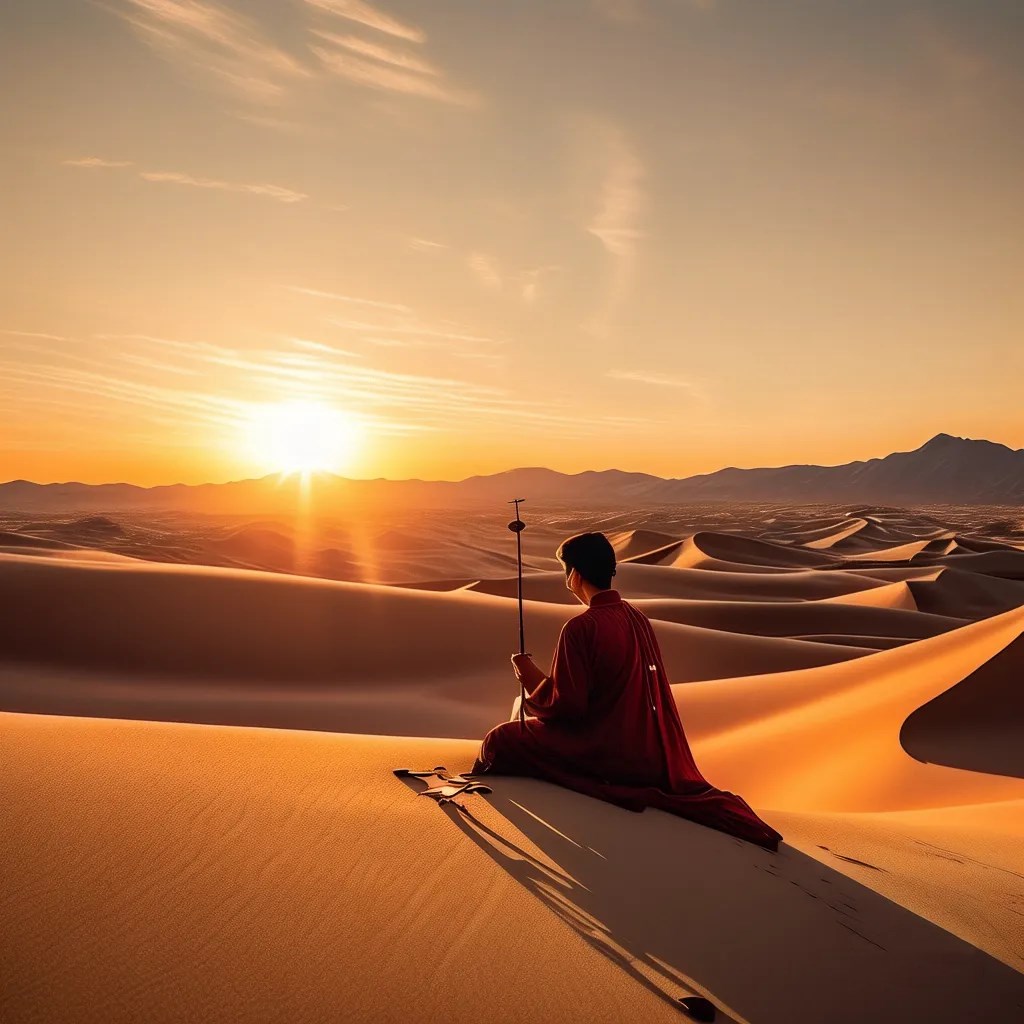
(605, 723)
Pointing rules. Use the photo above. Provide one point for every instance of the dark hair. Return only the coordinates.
(591, 555)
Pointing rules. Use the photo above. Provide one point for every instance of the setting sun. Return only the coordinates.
(301, 437)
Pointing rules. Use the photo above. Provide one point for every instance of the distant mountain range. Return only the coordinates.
(945, 470)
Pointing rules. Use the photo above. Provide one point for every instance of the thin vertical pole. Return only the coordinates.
(519, 561)
(517, 526)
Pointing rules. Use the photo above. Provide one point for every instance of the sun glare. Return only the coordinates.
(302, 437)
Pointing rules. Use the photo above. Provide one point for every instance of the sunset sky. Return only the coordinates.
(658, 236)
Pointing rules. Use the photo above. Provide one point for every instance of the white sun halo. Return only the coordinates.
(301, 436)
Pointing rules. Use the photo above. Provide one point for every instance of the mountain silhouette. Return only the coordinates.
(945, 470)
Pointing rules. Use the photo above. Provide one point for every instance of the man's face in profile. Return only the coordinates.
(572, 579)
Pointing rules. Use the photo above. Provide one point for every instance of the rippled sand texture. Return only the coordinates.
(201, 823)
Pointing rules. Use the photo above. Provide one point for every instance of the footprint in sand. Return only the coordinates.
(851, 860)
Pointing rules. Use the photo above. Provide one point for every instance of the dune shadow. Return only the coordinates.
(976, 725)
(52, 690)
(767, 937)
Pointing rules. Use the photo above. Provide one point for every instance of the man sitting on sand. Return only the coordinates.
(605, 722)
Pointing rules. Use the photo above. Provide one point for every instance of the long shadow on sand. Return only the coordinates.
(767, 937)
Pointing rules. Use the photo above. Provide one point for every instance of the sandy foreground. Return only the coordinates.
(201, 823)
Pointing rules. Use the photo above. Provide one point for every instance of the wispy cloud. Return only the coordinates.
(179, 387)
(161, 365)
(488, 272)
(325, 372)
(281, 194)
(531, 282)
(379, 64)
(621, 199)
(485, 270)
(425, 245)
(366, 14)
(391, 79)
(439, 402)
(405, 59)
(33, 334)
(325, 349)
(276, 192)
(660, 379)
(102, 380)
(241, 54)
(615, 223)
(291, 125)
(214, 39)
(695, 389)
(96, 161)
(413, 329)
(351, 299)
(396, 325)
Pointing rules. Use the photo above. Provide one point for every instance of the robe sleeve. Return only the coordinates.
(563, 695)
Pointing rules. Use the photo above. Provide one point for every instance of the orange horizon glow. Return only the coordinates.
(706, 259)
(95, 469)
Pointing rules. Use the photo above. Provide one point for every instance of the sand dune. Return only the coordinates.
(258, 868)
(848, 671)
(402, 546)
(260, 545)
(891, 595)
(831, 734)
(214, 622)
(12, 541)
(716, 551)
(1005, 564)
(940, 545)
(956, 866)
(972, 595)
(823, 535)
(797, 618)
(93, 527)
(878, 643)
(977, 724)
(890, 573)
(653, 581)
(216, 645)
(886, 534)
(895, 553)
(282, 876)
(630, 543)
(662, 555)
(874, 536)
(978, 545)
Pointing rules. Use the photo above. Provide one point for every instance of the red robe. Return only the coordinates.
(605, 723)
